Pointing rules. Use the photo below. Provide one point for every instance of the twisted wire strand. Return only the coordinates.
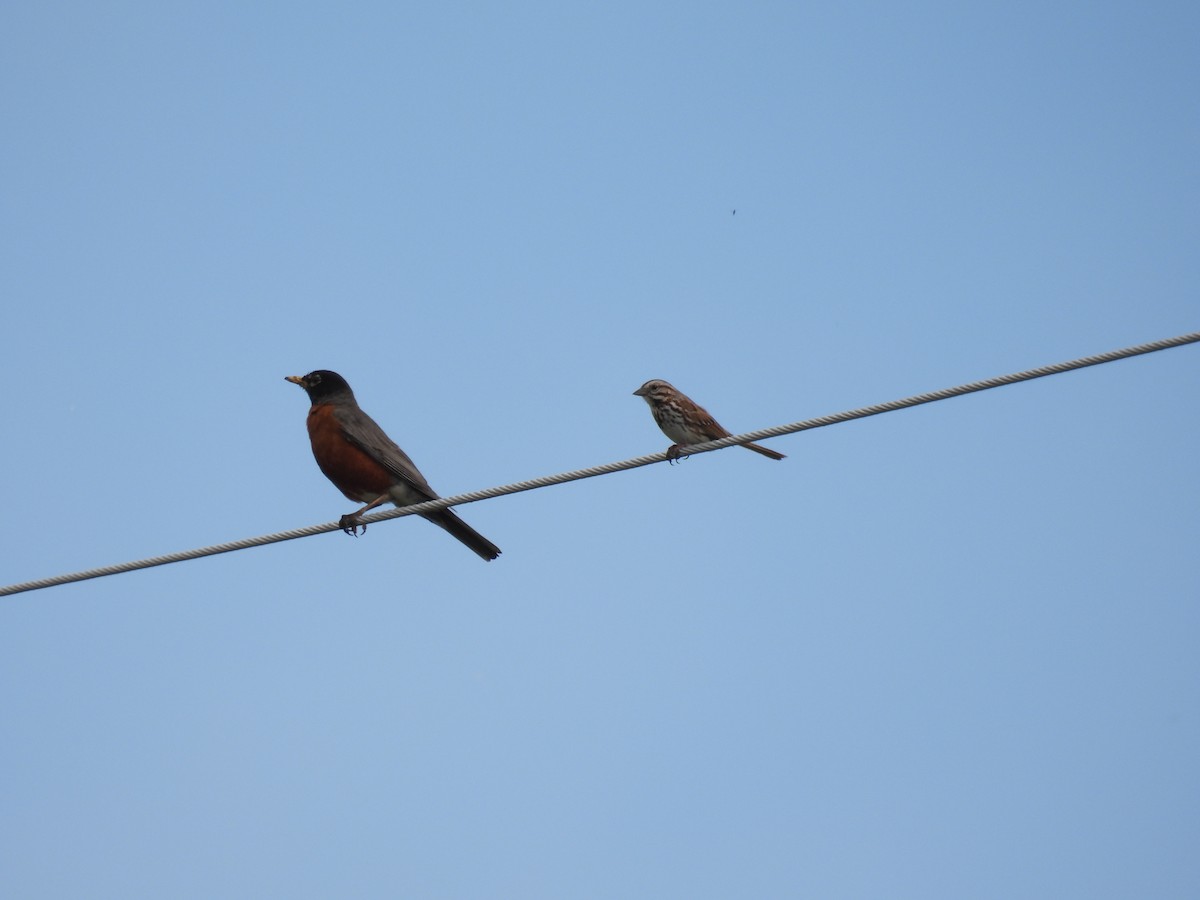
(609, 468)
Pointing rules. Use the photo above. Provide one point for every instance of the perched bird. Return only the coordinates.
(365, 465)
(684, 421)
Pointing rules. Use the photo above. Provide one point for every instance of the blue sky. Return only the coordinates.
(948, 652)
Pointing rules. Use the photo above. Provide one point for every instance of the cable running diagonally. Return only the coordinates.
(609, 468)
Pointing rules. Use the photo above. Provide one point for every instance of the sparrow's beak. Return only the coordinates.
(640, 392)
(295, 379)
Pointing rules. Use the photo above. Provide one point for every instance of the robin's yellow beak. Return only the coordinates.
(296, 379)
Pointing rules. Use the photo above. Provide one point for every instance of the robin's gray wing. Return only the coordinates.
(362, 431)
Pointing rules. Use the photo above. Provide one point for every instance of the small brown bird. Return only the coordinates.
(365, 465)
(684, 421)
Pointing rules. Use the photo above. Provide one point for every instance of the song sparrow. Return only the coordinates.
(684, 421)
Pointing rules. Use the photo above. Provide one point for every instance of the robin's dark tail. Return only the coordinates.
(764, 451)
(465, 533)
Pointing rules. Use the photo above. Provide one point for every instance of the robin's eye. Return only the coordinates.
(314, 378)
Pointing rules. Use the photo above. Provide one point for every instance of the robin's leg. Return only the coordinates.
(350, 522)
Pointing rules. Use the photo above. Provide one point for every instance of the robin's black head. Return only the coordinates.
(322, 385)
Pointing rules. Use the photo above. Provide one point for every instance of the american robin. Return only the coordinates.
(364, 463)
